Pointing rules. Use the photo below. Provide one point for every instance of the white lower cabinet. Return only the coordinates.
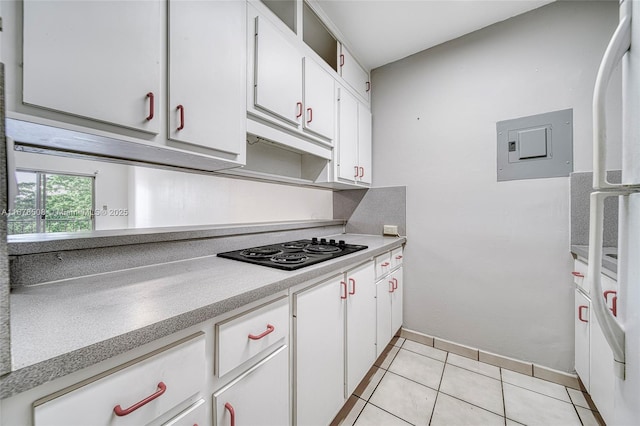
(593, 356)
(334, 332)
(582, 323)
(319, 352)
(389, 307)
(134, 395)
(260, 396)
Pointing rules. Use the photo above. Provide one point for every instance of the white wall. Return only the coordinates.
(111, 182)
(488, 263)
(168, 198)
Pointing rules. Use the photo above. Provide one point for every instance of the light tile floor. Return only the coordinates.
(415, 384)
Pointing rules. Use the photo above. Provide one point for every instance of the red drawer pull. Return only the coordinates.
(580, 313)
(353, 285)
(120, 412)
(181, 109)
(398, 257)
(385, 264)
(232, 413)
(269, 330)
(614, 302)
(152, 105)
(299, 105)
(395, 283)
(343, 289)
(577, 274)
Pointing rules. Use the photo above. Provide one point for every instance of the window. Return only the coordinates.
(48, 202)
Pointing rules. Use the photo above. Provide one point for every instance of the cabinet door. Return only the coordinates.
(364, 144)
(278, 74)
(602, 376)
(258, 397)
(96, 59)
(396, 301)
(354, 74)
(361, 320)
(207, 74)
(384, 289)
(319, 100)
(196, 414)
(347, 137)
(582, 311)
(319, 352)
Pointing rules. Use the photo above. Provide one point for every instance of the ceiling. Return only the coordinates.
(383, 31)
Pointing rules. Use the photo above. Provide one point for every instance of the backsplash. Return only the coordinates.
(367, 210)
(581, 187)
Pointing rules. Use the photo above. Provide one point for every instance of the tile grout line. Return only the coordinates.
(575, 408)
(433, 411)
(504, 404)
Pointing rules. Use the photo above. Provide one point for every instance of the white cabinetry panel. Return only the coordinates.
(278, 74)
(582, 321)
(361, 319)
(319, 100)
(319, 352)
(95, 59)
(207, 74)
(258, 397)
(171, 376)
(347, 137)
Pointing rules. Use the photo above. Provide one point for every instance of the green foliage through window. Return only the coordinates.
(52, 203)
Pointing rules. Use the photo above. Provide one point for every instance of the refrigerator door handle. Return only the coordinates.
(618, 46)
(611, 328)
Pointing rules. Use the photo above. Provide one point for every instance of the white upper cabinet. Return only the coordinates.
(95, 59)
(319, 100)
(353, 160)
(354, 74)
(278, 74)
(207, 74)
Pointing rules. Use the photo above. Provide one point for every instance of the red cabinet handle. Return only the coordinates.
(344, 290)
(299, 104)
(269, 330)
(353, 285)
(398, 257)
(395, 283)
(119, 411)
(614, 302)
(310, 111)
(385, 264)
(181, 109)
(392, 288)
(577, 274)
(580, 313)
(368, 86)
(152, 105)
(361, 171)
(341, 60)
(356, 168)
(232, 413)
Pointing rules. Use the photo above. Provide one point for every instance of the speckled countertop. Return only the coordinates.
(609, 263)
(61, 327)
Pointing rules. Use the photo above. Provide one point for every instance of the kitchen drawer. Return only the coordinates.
(245, 336)
(196, 414)
(260, 396)
(164, 380)
(396, 257)
(580, 275)
(383, 265)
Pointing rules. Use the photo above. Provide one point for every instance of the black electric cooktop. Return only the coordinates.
(294, 254)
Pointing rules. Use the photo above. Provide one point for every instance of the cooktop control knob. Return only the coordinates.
(341, 243)
(332, 242)
(314, 240)
(323, 241)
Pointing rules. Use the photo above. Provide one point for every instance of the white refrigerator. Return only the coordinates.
(622, 332)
